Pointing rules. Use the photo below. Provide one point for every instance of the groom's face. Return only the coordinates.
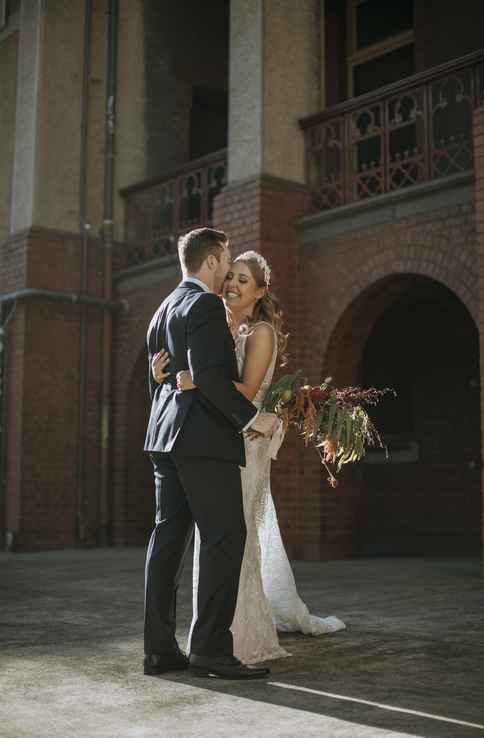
(221, 270)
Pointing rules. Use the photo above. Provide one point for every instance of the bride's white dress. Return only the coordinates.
(267, 600)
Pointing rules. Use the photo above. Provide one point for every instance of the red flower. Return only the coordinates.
(319, 395)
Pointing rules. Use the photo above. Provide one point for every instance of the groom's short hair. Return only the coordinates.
(196, 245)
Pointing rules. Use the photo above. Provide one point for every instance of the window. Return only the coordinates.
(380, 43)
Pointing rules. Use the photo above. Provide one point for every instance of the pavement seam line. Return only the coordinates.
(391, 708)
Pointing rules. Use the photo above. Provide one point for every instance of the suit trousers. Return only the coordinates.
(208, 492)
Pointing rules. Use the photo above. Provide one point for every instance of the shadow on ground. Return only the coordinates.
(71, 647)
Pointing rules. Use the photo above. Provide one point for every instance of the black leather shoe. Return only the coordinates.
(225, 667)
(174, 660)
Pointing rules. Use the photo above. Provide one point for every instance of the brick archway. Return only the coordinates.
(349, 325)
(364, 293)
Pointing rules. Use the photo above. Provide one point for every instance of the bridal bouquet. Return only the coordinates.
(333, 421)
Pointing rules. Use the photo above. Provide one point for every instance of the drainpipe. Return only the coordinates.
(57, 296)
(8, 305)
(5, 317)
(104, 532)
(84, 227)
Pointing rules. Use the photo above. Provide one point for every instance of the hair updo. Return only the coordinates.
(267, 307)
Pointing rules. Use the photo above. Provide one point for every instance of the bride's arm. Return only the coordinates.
(258, 356)
(259, 348)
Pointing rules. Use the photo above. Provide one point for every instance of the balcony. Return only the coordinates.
(159, 210)
(405, 134)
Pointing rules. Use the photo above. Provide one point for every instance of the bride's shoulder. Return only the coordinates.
(262, 333)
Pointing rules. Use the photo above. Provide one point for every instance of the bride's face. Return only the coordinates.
(240, 290)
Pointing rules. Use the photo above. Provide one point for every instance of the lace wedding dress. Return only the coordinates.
(267, 600)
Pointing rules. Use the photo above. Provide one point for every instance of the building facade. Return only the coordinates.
(344, 140)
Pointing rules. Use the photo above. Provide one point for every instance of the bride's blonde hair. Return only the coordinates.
(267, 307)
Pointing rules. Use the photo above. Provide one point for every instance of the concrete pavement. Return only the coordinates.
(411, 662)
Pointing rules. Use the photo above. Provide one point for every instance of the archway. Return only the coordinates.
(139, 499)
(412, 333)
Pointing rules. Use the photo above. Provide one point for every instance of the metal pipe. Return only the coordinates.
(104, 531)
(57, 296)
(84, 228)
(8, 305)
(6, 537)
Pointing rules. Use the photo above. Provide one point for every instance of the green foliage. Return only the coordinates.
(324, 413)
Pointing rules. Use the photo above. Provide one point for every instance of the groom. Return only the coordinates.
(196, 445)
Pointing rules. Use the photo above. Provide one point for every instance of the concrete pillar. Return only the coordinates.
(132, 153)
(274, 81)
(24, 167)
(48, 116)
(8, 94)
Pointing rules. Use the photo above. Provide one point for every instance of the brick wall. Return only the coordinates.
(42, 392)
(333, 291)
(346, 284)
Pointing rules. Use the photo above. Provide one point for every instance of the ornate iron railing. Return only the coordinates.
(407, 133)
(159, 210)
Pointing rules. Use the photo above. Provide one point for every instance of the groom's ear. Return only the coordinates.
(212, 261)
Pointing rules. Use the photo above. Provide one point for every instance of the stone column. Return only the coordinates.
(48, 118)
(274, 81)
(28, 72)
(8, 96)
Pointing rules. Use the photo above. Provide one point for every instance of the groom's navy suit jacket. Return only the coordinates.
(191, 325)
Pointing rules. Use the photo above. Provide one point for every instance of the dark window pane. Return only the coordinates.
(377, 20)
(12, 6)
(383, 70)
(208, 121)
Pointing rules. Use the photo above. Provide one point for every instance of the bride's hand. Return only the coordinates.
(264, 425)
(158, 364)
(184, 380)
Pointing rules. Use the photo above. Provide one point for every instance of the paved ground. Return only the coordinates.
(70, 638)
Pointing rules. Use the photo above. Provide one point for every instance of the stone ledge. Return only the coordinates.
(388, 208)
(147, 274)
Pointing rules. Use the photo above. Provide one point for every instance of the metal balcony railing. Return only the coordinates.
(405, 134)
(159, 210)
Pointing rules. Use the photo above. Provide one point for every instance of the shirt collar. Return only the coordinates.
(198, 282)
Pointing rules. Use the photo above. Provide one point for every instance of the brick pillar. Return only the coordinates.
(479, 185)
(260, 214)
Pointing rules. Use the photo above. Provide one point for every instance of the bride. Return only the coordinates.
(267, 599)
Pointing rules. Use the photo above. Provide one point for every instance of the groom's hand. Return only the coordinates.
(158, 364)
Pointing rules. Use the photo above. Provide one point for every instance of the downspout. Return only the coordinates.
(8, 305)
(5, 536)
(104, 532)
(84, 227)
